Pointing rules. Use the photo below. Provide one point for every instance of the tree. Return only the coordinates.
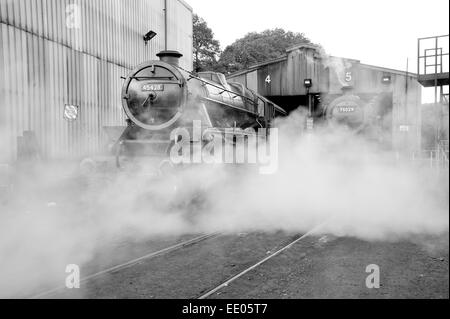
(258, 47)
(206, 48)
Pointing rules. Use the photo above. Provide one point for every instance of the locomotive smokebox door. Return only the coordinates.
(154, 94)
(347, 110)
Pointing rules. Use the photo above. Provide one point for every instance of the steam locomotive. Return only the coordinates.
(159, 96)
(369, 115)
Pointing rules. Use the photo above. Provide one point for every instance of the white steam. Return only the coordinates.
(333, 176)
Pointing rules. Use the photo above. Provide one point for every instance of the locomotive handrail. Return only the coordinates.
(151, 77)
(235, 95)
(192, 76)
(224, 90)
(255, 95)
(173, 79)
(253, 101)
(169, 79)
(228, 104)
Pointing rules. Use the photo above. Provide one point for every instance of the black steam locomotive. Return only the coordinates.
(159, 96)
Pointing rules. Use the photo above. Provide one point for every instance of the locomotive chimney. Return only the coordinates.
(171, 57)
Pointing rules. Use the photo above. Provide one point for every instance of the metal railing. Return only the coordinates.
(444, 99)
(437, 158)
(432, 58)
(442, 153)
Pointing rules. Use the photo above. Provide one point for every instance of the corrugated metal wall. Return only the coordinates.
(57, 52)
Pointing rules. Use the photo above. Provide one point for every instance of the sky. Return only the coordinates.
(378, 32)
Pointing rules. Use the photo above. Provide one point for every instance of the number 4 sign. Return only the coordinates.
(268, 79)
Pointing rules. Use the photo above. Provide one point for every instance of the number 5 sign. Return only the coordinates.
(348, 76)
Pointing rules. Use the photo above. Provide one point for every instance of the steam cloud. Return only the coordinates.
(334, 176)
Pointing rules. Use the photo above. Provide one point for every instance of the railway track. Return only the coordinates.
(179, 246)
(259, 263)
(131, 263)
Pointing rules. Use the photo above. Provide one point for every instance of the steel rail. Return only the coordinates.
(247, 270)
(132, 262)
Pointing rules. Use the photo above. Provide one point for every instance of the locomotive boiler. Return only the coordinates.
(159, 96)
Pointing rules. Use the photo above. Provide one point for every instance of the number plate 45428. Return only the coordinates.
(153, 87)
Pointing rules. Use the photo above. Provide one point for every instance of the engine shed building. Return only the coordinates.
(305, 77)
(61, 59)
